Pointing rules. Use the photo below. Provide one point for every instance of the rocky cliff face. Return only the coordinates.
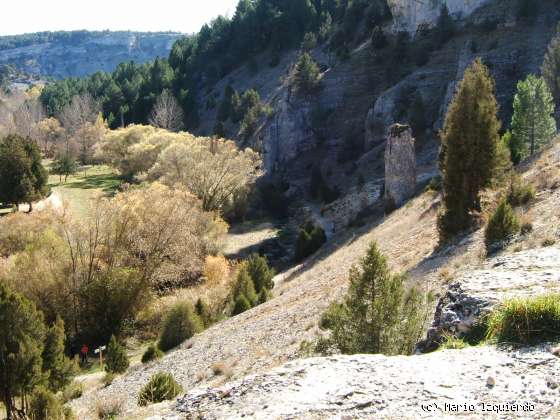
(408, 15)
(87, 53)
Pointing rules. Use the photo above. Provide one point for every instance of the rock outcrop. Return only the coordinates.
(400, 166)
(83, 53)
(408, 15)
(476, 293)
(477, 382)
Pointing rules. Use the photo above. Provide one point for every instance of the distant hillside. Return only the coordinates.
(80, 53)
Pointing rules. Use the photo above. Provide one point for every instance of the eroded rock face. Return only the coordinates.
(475, 294)
(400, 166)
(408, 15)
(289, 134)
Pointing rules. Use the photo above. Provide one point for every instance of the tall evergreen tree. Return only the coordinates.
(469, 151)
(532, 124)
(551, 67)
(56, 365)
(22, 334)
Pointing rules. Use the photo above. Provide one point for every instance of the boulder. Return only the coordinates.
(476, 293)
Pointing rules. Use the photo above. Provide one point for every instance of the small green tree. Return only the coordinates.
(307, 74)
(22, 176)
(244, 286)
(378, 38)
(417, 114)
(151, 353)
(22, 334)
(445, 26)
(44, 405)
(310, 239)
(64, 165)
(180, 324)
(242, 304)
(532, 124)
(59, 368)
(379, 313)
(260, 272)
(162, 387)
(116, 360)
(469, 151)
(551, 67)
(503, 224)
(203, 312)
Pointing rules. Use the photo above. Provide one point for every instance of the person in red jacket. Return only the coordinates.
(83, 354)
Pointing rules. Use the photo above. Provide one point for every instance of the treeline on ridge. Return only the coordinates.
(129, 93)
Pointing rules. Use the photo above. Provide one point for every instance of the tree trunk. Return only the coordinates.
(8, 402)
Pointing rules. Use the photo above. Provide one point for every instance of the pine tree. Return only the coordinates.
(532, 124)
(244, 286)
(551, 67)
(64, 165)
(379, 314)
(22, 334)
(378, 38)
(117, 359)
(59, 368)
(203, 311)
(469, 150)
(307, 74)
(445, 26)
(260, 273)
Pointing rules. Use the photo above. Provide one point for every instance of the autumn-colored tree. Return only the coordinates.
(212, 169)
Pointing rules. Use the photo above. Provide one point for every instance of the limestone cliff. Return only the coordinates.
(408, 15)
(81, 53)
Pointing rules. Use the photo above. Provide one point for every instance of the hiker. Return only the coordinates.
(83, 354)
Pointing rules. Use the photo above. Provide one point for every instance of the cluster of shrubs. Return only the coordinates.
(253, 284)
(309, 240)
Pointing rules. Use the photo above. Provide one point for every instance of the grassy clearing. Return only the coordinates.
(81, 188)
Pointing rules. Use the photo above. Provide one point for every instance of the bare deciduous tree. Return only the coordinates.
(167, 113)
(27, 116)
(81, 110)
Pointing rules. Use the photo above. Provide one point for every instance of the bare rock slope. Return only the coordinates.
(482, 381)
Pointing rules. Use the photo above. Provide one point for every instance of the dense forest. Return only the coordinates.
(129, 93)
